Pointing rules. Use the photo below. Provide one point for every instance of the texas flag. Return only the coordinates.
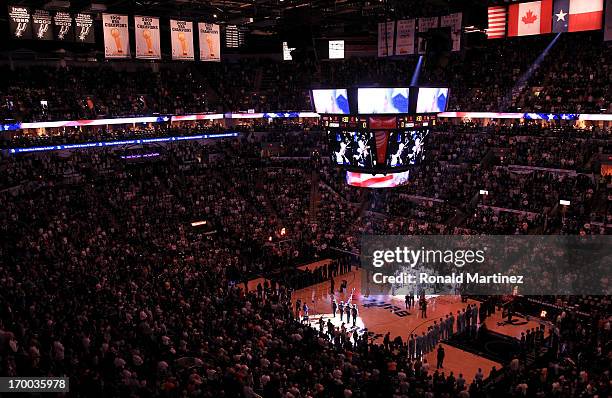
(577, 15)
(585, 15)
(531, 18)
(560, 16)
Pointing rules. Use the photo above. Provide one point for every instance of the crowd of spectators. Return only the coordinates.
(499, 76)
(157, 306)
(129, 273)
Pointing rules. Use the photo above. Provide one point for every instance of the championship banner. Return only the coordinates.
(386, 36)
(19, 22)
(116, 36)
(181, 36)
(454, 21)
(424, 25)
(405, 36)
(41, 25)
(64, 27)
(210, 42)
(146, 31)
(84, 28)
(608, 26)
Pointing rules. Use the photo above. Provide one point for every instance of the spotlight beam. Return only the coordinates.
(520, 84)
(417, 72)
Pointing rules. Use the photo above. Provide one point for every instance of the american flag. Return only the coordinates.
(365, 180)
(497, 22)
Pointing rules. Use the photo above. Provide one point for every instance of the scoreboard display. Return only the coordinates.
(378, 134)
(377, 144)
(361, 122)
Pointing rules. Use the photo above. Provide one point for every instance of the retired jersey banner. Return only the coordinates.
(405, 36)
(386, 36)
(41, 25)
(533, 18)
(454, 22)
(181, 36)
(210, 42)
(64, 27)
(116, 36)
(146, 32)
(84, 28)
(424, 25)
(19, 22)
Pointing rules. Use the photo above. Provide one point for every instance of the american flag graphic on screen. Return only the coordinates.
(497, 22)
(365, 180)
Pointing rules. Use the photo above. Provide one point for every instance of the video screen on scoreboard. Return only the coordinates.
(356, 149)
(331, 101)
(432, 100)
(406, 148)
(364, 180)
(383, 100)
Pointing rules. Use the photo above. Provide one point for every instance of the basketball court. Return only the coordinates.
(381, 314)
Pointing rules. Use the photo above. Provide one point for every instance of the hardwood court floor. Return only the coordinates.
(382, 314)
(515, 329)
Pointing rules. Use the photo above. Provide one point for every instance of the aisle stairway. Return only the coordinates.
(314, 195)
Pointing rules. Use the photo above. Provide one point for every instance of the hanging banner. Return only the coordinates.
(116, 36)
(454, 22)
(286, 52)
(405, 36)
(386, 37)
(210, 42)
(424, 25)
(64, 27)
(41, 25)
(181, 36)
(146, 32)
(84, 28)
(19, 22)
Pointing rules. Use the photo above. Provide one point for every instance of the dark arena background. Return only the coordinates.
(190, 191)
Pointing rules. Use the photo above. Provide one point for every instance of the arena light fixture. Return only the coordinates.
(139, 141)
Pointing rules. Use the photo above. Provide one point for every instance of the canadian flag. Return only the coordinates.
(585, 15)
(531, 18)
